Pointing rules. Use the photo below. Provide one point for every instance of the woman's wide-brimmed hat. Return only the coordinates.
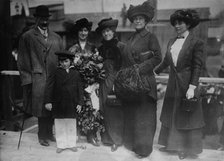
(188, 16)
(82, 23)
(107, 23)
(41, 11)
(144, 9)
(64, 54)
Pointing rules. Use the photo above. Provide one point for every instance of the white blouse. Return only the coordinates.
(177, 46)
(82, 44)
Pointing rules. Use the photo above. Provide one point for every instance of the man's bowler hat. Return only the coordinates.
(42, 11)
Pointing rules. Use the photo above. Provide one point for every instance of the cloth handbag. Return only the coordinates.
(112, 99)
(189, 105)
(129, 85)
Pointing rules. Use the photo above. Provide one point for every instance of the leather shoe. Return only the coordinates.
(52, 138)
(140, 156)
(94, 142)
(43, 142)
(74, 149)
(182, 155)
(114, 147)
(163, 149)
(193, 156)
(59, 150)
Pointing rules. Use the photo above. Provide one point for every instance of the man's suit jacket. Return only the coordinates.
(36, 59)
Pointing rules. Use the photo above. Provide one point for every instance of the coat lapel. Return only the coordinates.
(134, 39)
(169, 53)
(184, 49)
(40, 37)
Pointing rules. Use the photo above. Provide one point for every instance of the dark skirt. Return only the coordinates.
(140, 125)
(221, 141)
(113, 117)
(189, 141)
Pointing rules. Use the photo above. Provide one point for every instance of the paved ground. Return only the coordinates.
(30, 150)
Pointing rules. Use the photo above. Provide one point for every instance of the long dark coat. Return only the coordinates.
(36, 59)
(140, 117)
(186, 72)
(64, 90)
(137, 45)
(113, 116)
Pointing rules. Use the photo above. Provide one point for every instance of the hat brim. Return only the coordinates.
(108, 24)
(145, 9)
(66, 54)
(77, 27)
(131, 17)
(36, 15)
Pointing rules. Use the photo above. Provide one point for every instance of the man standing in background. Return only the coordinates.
(36, 60)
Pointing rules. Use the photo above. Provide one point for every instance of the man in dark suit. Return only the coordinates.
(36, 60)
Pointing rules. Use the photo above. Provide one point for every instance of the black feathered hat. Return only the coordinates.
(81, 23)
(107, 23)
(64, 54)
(145, 9)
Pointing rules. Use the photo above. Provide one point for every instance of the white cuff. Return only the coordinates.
(192, 86)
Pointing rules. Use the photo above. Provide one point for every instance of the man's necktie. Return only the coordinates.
(45, 34)
(180, 37)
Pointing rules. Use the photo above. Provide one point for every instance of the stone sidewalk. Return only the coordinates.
(30, 150)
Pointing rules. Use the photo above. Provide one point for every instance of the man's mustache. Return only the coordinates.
(44, 24)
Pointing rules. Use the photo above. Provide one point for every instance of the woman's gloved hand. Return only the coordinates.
(190, 91)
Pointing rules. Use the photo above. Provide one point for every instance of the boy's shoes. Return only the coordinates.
(43, 142)
(74, 149)
(59, 150)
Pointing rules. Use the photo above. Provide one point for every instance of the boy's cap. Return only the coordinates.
(65, 54)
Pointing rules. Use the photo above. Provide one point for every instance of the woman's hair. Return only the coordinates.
(190, 17)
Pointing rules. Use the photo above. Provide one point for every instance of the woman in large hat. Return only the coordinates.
(81, 48)
(181, 129)
(142, 51)
(110, 50)
(81, 28)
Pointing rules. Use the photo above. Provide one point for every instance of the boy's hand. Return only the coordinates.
(48, 106)
(78, 108)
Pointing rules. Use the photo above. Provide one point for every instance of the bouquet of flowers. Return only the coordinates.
(90, 119)
(90, 66)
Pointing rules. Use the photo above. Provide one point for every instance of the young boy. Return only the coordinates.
(64, 96)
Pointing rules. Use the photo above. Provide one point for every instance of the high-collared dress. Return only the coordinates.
(181, 130)
(140, 116)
